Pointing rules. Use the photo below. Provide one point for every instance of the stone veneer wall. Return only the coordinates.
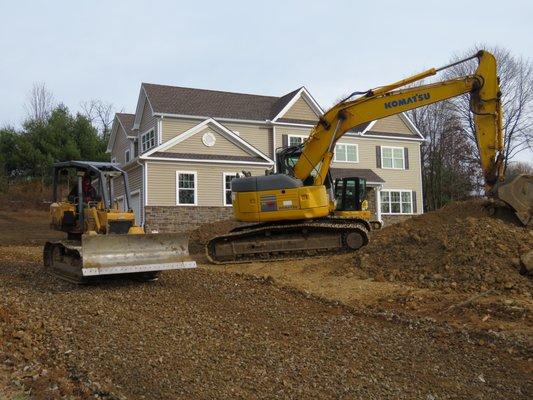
(182, 218)
(394, 219)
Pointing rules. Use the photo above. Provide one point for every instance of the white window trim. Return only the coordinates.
(346, 161)
(224, 174)
(393, 147)
(390, 207)
(128, 152)
(304, 137)
(142, 150)
(195, 188)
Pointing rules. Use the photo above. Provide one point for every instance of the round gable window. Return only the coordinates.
(209, 139)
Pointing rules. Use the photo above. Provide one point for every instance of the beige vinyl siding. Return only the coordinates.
(121, 144)
(409, 179)
(195, 145)
(258, 136)
(300, 110)
(209, 177)
(172, 127)
(148, 121)
(392, 124)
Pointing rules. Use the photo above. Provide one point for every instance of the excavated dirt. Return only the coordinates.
(456, 247)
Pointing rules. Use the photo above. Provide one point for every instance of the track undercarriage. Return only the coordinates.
(279, 241)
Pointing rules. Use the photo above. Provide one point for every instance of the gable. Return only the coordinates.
(195, 145)
(147, 120)
(392, 124)
(300, 110)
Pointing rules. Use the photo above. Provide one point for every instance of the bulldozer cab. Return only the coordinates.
(350, 193)
(90, 183)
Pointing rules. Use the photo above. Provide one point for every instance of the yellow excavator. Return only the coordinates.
(295, 212)
(103, 238)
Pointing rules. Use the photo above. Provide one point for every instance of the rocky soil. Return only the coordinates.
(206, 333)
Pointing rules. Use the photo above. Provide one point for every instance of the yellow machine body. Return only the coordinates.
(306, 202)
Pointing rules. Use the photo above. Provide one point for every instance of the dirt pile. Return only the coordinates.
(457, 247)
(201, 235)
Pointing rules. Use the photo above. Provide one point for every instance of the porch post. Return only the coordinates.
(378, 203)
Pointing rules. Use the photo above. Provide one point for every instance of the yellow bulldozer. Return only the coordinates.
(298, 212)
(103, 237)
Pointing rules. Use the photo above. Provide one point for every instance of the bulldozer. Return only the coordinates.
(296, 211)
(103, 238)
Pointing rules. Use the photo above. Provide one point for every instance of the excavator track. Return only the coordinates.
(275, 241)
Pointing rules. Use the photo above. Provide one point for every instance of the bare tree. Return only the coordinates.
(448, 169)
(519, 167)
(39, 103)
(516, 83)
(100, 113)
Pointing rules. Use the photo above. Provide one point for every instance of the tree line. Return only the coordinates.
(52, 133)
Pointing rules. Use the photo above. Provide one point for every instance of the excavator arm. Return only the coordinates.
(389, 100)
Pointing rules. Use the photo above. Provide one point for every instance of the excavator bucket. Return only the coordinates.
(517, 192)
(143, 256)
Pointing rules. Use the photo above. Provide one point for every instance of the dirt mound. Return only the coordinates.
(201, 235)
(457, 247)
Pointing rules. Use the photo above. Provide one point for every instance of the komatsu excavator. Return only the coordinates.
(294, 212)
(102, 238)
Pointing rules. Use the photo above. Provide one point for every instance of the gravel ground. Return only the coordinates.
(204, 334)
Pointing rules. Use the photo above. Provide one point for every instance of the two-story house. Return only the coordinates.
(183, 146)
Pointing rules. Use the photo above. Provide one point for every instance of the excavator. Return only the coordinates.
(296, 212)
(103, 239)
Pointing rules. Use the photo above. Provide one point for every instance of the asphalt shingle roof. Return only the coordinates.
(127, 121)
(214, 103)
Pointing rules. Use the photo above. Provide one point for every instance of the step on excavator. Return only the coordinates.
(297, 212)
(103, 237)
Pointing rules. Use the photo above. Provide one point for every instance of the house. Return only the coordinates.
(183, 146)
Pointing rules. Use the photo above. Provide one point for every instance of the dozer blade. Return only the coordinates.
(517, 192)
(121, 254)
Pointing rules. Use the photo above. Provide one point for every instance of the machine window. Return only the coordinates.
(346, 153)
(186, 187)
(392, 157)
(148, 141)
(396, 202)
(228, 177)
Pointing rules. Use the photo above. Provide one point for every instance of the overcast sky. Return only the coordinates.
(105, 49)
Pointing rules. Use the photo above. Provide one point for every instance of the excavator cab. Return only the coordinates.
(350, 194)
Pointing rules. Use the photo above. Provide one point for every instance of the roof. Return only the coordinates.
(195, 156)
(214, 103)
(367, 174)
(126, 120)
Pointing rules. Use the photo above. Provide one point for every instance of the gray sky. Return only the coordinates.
(105, 49)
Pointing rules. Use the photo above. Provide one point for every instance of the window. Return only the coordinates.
(396, 202)
(228, 177)
(186, 188)
(392, 157)
(127, 158)
(346, 153)
(147, 140)
(296, 140)
(113, 160)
